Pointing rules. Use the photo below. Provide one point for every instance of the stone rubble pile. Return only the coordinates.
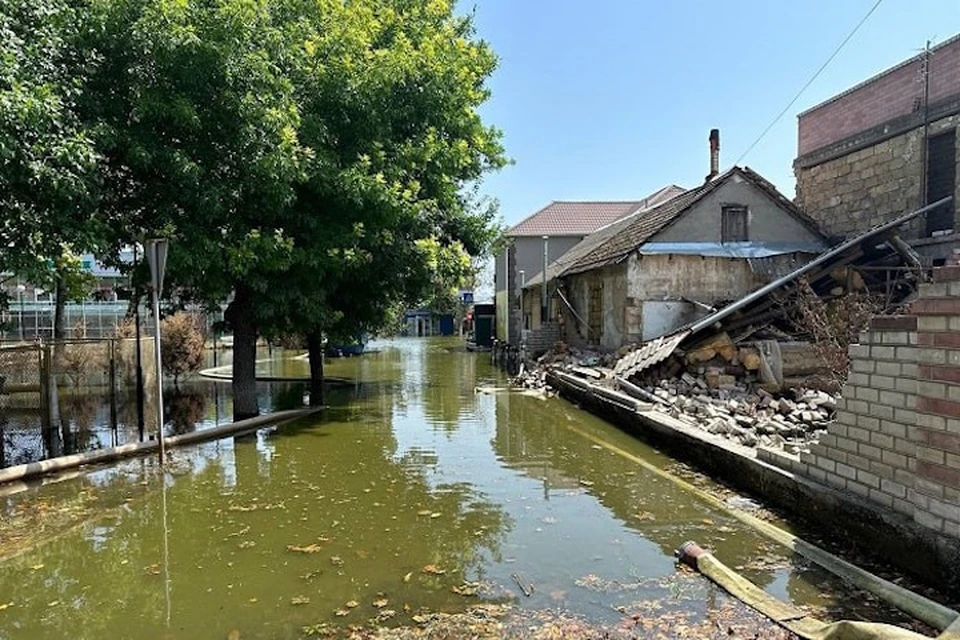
(745, 413)
(585, 362)
(716, 388)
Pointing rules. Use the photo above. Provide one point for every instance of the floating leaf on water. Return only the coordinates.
(466, 589)
(384, 615)
(433, 570)
(321, 630)
(295, 600)
(310, 548)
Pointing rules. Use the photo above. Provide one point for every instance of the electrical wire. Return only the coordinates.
(810, 81)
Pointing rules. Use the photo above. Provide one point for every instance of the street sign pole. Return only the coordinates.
(156, 251)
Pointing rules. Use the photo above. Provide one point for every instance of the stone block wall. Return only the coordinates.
(542, 339)
(895, 444)
(851, 192)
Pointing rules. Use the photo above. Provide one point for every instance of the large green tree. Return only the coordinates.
(49, 172)
(308, 159)
(389, 94)
(198, 127)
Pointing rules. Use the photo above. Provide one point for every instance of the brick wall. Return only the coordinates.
(937, 433)
(895, 444)
(882, 98)
(542, 339)
(869, 450)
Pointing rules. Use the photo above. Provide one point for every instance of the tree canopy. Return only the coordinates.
(311, 161)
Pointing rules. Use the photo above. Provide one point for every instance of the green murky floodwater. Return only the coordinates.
(417, 480)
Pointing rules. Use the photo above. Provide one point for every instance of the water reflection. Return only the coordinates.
(78, 419)
(410, 483)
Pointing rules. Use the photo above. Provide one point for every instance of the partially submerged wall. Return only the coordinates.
(896, 442)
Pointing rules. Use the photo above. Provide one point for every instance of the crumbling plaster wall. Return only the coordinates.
(700, 278)
(617, 326)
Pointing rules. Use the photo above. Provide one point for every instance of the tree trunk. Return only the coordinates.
(60, 310)
(240, 316)
(315, 348)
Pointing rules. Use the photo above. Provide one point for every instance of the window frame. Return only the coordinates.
(726, 211)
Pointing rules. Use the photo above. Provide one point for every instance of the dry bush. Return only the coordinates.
(79, 360)
(182, 343)
(832, 326)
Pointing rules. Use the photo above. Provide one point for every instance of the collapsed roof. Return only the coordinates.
(873, 256)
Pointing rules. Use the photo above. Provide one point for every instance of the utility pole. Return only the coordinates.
(925, 78)
(157, 257)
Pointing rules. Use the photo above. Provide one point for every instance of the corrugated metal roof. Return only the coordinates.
(566, 218)
(652, 352)
(730, 249)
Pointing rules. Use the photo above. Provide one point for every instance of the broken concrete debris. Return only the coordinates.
(748, 415)
(738, 392)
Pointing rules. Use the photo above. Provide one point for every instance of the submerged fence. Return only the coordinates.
(65, 387)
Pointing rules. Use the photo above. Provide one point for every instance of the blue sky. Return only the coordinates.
(611, 99)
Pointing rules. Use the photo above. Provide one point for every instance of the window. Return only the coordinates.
(941, 180)
(734, 223)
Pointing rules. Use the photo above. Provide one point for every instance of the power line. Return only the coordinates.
(810, 81)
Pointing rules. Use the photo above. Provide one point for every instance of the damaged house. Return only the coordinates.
(656, 270)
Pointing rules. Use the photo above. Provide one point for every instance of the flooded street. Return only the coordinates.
(424, 487)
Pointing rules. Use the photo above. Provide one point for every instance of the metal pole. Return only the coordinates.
(544, 306)
(924, 196)
(157, 257)
(136, 316)
(506, 297)
(156, 356)
(20, 289)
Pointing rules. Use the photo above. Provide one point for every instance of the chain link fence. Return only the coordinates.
(54, 393)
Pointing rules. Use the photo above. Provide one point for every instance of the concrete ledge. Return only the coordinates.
(886, 531)
(224, 374)
(34, 469)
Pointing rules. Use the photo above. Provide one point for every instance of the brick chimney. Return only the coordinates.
(714, 154)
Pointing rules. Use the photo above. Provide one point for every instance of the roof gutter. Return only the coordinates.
(776, 284)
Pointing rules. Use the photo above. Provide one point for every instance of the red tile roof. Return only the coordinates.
(566, 218)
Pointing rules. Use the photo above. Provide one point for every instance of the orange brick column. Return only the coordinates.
(936, 494)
